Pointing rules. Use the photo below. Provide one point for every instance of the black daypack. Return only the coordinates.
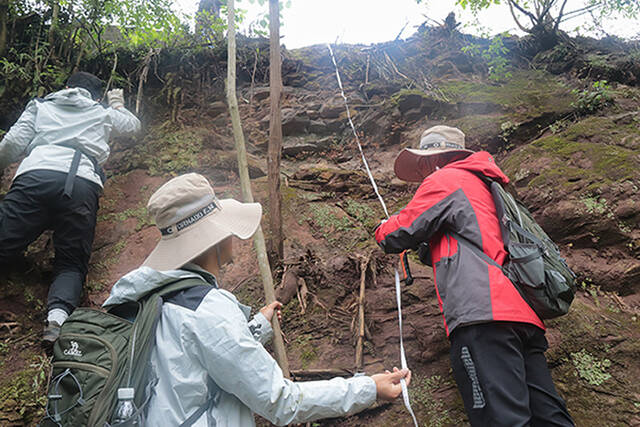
(534, 263)
(98, 352)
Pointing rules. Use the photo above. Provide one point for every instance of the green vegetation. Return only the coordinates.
(591, 369)
(430, 407)
(22, 394)
(594, 99)
(305, 349)
(584, 154)
(495, 55)
(527, 94)
(139, 213)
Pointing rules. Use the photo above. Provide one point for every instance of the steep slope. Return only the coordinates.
(578, 173)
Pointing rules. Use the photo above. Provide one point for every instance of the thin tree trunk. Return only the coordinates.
(275, 133)
(54, 24)
(4, 22)
(245, 183)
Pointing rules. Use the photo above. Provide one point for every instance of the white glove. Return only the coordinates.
(115, 98)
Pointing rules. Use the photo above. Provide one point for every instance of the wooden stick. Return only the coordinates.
(274, 150)
(245, 184)
(360, 343)
(331, 372)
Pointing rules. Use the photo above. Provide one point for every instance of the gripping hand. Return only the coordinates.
(115, 97)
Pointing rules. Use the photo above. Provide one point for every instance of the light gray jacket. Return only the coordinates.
(208, 348)
(68, 118)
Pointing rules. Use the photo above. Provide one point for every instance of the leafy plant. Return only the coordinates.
(495, 56)
(591, 369)
(594, 99)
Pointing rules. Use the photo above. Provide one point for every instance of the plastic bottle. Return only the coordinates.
(125, 408)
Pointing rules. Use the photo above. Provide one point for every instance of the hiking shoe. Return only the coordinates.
(50, 334)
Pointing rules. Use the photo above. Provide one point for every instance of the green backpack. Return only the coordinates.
(98, 352)
(534, 265)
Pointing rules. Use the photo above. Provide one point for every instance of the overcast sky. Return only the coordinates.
(309, 22)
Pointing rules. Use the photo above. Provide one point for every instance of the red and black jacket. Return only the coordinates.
(455, 200)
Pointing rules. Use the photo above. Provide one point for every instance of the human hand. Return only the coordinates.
(115, 98)
(388, 384)
(378, 226)
(268, 310)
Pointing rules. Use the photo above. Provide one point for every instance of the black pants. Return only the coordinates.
(36, 203)
(503, 377)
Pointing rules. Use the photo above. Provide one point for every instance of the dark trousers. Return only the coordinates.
(36, 203)
(503, 377)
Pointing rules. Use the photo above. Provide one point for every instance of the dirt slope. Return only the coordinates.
(580, 174)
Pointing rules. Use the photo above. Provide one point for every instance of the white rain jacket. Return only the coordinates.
(68, 118)
(207, 349)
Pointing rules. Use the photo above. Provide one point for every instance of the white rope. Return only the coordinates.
(403, 360)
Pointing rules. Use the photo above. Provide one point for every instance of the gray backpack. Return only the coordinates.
(534, 264)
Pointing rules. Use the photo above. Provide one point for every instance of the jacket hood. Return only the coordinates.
(143, 280)
(75, 96)
(483, 163)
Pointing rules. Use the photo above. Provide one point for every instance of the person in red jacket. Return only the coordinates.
(497, 340)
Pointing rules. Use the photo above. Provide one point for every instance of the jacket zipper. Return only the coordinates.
(101, 400)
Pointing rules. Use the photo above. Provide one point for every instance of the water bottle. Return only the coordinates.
(125, 408)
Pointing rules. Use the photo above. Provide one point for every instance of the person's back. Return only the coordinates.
(57, 186)
(66, 120)
(497, 340)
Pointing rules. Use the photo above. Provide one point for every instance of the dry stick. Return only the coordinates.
(331, 372)
(143, 78)
(359, 345)
(253, 77)
(275, 132)
(113, 71)
(245, 184)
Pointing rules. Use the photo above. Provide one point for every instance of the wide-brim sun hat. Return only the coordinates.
(439, 145)
(191, 219)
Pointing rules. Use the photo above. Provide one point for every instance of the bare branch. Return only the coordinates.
(524, 11)
(559, 19)
(515, 18)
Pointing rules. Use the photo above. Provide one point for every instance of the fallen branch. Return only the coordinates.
(360, 343)
(321, 373)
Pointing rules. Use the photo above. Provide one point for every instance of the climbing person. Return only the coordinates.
(209, 359)
(497, 340)
(57, 186)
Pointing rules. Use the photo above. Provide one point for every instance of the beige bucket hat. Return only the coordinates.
(438, 146)
(192, 219)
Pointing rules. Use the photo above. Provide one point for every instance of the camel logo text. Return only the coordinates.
(73, 350)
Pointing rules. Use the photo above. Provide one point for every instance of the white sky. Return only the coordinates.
(309, 22)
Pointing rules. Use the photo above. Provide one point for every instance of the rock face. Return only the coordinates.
(579, 174)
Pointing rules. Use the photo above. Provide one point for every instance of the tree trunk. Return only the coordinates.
(54, 24)
(245, 183)
(4, 22)
(275, 133)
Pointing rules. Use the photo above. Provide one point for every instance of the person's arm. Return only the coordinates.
(220, 339)
(432, 206)
(16, 141)
(123, 121)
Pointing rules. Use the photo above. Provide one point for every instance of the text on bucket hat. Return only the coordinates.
(438, 146)
(191, 219)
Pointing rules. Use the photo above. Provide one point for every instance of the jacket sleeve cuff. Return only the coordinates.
(261, 328)
(368, 387)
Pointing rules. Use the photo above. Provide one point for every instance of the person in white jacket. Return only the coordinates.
(57, 186)
(209, 358)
